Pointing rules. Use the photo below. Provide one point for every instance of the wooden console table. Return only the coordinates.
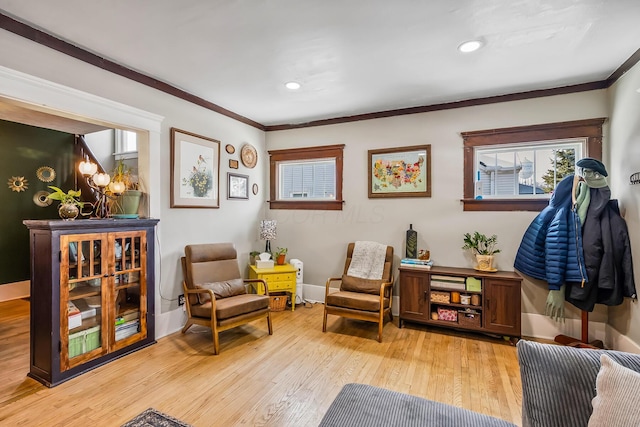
(424, 293)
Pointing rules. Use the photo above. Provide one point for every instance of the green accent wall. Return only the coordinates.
(24, 149)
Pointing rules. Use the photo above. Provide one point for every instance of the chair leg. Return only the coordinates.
(216, 341)
(324, 321)
(380, 325)
(269, 325)
(390, 315)
(187, 326)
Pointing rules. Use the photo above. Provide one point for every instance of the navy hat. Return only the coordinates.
(593, 164)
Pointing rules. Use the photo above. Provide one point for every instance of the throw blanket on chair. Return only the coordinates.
(367, 260)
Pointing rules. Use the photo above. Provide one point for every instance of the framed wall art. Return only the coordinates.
(195, 170)
(237, 186)
(233, 164)
(400, 172)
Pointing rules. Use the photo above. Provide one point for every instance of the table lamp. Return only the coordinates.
(268, 232)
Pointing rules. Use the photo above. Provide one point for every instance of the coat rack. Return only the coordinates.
(584, 341)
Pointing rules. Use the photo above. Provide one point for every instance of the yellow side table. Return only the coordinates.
(280, 278)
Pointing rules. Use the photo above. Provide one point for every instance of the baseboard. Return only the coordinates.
(14, 290)
(616, 341)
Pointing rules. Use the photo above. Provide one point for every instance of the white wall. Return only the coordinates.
(234, 221)
(319, 238)
(102, 146)
(624, 159)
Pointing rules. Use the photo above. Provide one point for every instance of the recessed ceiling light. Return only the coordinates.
(470, 46)
(292, 85)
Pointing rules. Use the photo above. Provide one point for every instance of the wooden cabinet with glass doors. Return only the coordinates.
(91, 294)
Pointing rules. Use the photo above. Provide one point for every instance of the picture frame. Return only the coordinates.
(237, 186)
(195, 170)
(400, 172)
(233, 164)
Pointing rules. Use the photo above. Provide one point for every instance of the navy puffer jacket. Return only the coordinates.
(551, 248)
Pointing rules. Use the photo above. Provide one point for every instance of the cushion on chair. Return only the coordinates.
(356, 301)
(231, 307)
(356, 284)
(211, 262)
(225, 289)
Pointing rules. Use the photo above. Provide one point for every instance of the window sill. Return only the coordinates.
(333, 205)
(534, 205)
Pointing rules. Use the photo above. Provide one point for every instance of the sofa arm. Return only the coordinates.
(558, 383)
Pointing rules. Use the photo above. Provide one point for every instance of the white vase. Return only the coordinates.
(485, 262)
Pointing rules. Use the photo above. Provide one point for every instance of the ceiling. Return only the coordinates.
(351, 57)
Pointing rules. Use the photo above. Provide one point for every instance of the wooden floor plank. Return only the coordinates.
(287, 379)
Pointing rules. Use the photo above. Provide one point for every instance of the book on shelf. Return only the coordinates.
(421, 266)
(456, 279)
(416, 261)
(73, 309)
(448, 285)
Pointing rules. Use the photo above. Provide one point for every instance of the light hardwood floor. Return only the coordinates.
(287, 379)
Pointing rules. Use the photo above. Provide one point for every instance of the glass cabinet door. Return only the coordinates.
(83, 273)
(129, 288)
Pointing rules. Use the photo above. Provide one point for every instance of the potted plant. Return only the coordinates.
(280, 255)
(483, 248)
(253, 257)
(124, 195)
(70, 203)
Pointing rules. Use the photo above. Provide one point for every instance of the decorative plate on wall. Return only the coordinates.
(249, 156)
(46, 174)
(41, 199)
(18, 183)
(230, 148)
(254, 189)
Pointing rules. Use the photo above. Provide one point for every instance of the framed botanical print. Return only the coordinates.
(195, 170)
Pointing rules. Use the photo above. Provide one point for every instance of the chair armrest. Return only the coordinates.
(251, 282)
(385, 287)
(188, 291)
(328, 284)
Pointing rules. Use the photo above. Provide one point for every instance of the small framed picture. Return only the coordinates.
(237, 186)
(233, 164)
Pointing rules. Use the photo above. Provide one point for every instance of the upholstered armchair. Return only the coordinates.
(362, 295)
(215, 293)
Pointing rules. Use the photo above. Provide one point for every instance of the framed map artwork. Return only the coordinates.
(400, 172)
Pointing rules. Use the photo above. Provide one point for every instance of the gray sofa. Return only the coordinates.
(558, 385)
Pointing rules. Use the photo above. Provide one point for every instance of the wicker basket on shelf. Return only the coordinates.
(278, 301)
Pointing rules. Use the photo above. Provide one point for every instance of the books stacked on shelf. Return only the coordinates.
(75, 317)
(449, 282)
(128, 324)
(417, 263)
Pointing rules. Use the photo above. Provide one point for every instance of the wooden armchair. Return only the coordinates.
(216, 296)
(359, 298)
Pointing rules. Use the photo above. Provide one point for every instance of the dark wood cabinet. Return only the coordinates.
(92, 293)
(444, 296)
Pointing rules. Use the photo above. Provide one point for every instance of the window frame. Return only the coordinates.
(589, 129)
(300, 154)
